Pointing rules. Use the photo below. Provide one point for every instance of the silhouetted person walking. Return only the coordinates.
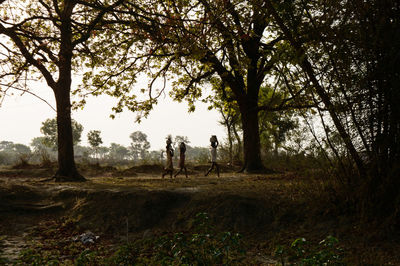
(169, 168)
(182, 150)
(213, 153)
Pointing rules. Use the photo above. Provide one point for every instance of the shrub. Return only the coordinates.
(301, 252)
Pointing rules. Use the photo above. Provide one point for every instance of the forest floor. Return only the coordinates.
(268, 210)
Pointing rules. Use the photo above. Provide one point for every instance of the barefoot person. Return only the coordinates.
(169, 168)
(213, 151)
(182, 150)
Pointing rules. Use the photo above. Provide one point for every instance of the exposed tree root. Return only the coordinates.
(73, 176)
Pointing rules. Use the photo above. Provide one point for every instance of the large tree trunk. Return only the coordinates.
(251, 139)
(66, 163)
(67, 170)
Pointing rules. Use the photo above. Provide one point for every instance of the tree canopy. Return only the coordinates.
(49, 40)
(139, 145)
(191, 43)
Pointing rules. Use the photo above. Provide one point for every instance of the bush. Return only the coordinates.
(301, 252)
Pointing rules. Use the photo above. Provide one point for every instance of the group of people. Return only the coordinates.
(169, 168)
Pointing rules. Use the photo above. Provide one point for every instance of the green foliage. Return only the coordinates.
(49, 130)
(41, 152)
(203, 246)
(37, 258)
(3, 261)
(178, 139)
(13, 153)
(301, 252)
(94, 138)
(118, 152)
(349, 51)
(139, 145)
(88, 257)
(198, 155)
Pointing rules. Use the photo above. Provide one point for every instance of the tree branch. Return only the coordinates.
(31, 93)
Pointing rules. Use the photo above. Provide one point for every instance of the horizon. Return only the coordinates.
(167, 117)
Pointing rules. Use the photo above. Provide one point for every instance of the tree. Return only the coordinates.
(6, 145)
(139, 145)
(178, 139)
(21, 149)
(38, 144)
(94, 140)
(49, 130)
(47, 40)
(102, 151)
(230, 115)
(41, 151)
(117, 152)
(11, 152)
(192, 42)
(348, 52)
(274, 126)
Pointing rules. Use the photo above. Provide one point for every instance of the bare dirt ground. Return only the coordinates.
(267, 209)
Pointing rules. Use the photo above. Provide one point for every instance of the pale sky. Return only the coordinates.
(22, 116)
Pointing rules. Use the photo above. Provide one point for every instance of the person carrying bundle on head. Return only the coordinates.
(169, 168)
(182, 150)
(213, 153)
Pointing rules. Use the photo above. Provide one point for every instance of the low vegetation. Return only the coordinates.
(270, 219)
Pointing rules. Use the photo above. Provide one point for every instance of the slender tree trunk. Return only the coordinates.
(228, 123)
(239, 141)
(230, 140)
(307, 68)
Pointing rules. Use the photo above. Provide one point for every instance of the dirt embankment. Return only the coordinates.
(138, 206)
(266, 209)
(107, 204)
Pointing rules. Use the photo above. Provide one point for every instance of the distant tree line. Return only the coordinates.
(43, 149)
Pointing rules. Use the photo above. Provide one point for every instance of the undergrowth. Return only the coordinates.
(202, 246)
(302, 252)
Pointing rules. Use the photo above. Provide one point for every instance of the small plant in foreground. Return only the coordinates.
(301, 252)
(87, 257)
(203, 246)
